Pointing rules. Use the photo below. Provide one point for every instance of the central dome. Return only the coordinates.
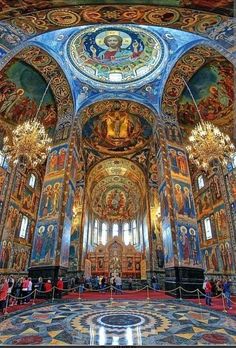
(117, 54)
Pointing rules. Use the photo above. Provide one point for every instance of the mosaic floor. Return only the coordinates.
(118, 323)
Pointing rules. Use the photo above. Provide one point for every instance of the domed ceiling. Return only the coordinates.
(116, 190)
(120, 54)
(117, 127)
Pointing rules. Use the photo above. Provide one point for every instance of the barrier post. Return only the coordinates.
(79, 294)
(198, 295)
(180, 293)
(111, 298)
(53, 293)
(35, 291)
(223, 301)
(7, 302)
(148, 298)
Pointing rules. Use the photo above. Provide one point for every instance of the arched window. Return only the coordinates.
(115, 230)
(126, 233)
(104, 233)
(32, 180)
(3, 161)
(23, 226)
(234, 161)
(200, 181)
(134, 231)
(208, 230)
(95, 231)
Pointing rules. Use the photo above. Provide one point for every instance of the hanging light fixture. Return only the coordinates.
(29, 142)
(208, 143)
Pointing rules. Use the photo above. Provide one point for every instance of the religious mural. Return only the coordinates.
(5, 253)
(188, 245)
(51, 199)
(112, 54)
(65, 243)
(218, 258)
(212, 88)
(45, 241)
(178, 161)
(221, 222)
(56, 159)
(20, 258)
(22, 88)
(184, 203)
(117, 131)
(116, 127)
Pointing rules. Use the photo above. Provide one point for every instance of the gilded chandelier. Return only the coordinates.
(29, 144)
(208, 143)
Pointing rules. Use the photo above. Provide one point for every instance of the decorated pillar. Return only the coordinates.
(50, 252)
(183, 266)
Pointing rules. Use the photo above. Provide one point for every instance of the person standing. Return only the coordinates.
(3, 294)
(130, 281)
(25, 287)
(60, 287)
(118, 284)
(30, 287)
(227, 292)
(208, 292)
(48, 288)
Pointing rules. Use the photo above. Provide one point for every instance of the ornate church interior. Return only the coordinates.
(117, 161)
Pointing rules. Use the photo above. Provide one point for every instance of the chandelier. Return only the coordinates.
(28, 144)
(208, 143)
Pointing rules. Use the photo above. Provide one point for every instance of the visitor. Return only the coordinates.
(48, 288)
(24, 291)
(130, 282)
(81, 284)
(118, 284)
(3, 294)
(227, 292)
(154, 282)
(72, 284)
(17, 291)
(10, 282)
(208, 292)
(39, 285)
(60, 287)
(30, 287)
(103, 284)
(219, 287)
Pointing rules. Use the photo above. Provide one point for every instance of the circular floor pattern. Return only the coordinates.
(118, 323)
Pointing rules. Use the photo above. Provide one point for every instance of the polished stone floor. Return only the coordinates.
(169, 322)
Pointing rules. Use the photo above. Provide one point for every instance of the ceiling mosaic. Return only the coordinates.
(209, 76)
(34, 19)
(116, 190)
(17, 7)
(119, 54)
(22, 89)
(213, 89)
(117, 126)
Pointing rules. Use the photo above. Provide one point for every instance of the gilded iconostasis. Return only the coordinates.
(117, 192)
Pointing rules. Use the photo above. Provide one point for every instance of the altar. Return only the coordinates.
(116, 258)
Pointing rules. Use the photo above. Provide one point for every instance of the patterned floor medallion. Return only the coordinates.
(118, 323)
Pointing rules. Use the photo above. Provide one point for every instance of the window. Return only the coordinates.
(3, 161)
(234, 161)
(95, 233)
(115, 230)
(207, 224)
(23, 227)
(126, 234)
(200, 181)
(104, 233)
(32, 180)
(134, 231)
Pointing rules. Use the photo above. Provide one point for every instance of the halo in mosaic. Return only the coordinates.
(116, 54)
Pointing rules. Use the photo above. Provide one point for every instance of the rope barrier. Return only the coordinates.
(118, 290)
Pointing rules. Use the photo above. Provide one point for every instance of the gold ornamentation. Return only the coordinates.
(208, 143)
(29, 144)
